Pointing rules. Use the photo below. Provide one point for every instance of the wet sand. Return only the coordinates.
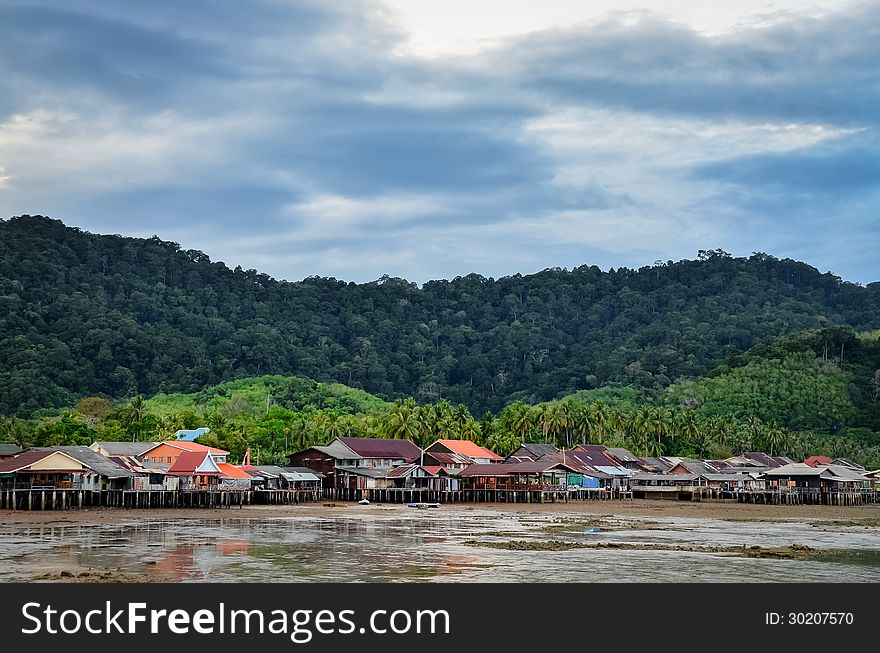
(337, 541)
(328, 510)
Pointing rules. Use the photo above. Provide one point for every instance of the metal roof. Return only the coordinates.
(10, 449)
(382, 448)
(303, 470)
(539, 449)
(372, 472)
(528, 467)
(466, 448)
(445, 458)
(299, 476)
(644, 476)
(93, 460)
(795, 469)
(124, 448)
(623, 455)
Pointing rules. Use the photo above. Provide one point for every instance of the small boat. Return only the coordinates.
(364, 502)
(422, 506)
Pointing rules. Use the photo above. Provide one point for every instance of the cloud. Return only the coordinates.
(310, 138)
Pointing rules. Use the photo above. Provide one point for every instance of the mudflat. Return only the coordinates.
(329, 510)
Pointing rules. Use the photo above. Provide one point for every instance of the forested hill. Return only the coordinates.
(84, 314)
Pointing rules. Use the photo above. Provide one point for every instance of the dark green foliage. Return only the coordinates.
(82, 314)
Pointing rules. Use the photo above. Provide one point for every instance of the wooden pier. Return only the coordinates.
(487, 495)
(788, 497)
(65, 499)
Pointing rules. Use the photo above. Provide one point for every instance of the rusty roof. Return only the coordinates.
(22, 460)
(448, 458)
(382, 448)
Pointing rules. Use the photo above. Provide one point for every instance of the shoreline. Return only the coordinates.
(342, 510)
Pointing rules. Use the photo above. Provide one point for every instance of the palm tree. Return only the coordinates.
(401, 421)
(133, 417)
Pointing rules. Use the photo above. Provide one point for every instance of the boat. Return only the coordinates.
(422, 506)
(364, 502)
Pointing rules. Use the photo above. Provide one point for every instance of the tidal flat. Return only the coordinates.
(589, 542)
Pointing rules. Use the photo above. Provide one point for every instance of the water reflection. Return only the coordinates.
(426, 547)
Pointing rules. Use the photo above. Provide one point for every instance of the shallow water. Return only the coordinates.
(430, 546)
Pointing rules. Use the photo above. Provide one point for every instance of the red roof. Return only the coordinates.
(189, 446)
(382, 448)
(188, 462)
(467, 448)
(231, 471)
(24, 460)
(433, 469)
(815, 461)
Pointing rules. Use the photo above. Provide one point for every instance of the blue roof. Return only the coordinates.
(189, 436)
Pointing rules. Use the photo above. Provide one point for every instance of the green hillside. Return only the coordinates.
(84, 314)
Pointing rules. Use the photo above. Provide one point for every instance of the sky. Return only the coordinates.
(429, 139)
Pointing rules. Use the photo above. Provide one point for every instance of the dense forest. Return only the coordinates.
(788, 396)
(84, 315)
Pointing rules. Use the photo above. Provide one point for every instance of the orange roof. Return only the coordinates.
(190, 446)
(469, 449)
(231, 471)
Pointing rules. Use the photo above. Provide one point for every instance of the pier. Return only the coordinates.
(476, 495)
(66, 499)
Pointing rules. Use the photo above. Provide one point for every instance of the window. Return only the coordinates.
(168, 461)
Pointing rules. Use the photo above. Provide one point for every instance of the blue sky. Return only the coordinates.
(428, 139)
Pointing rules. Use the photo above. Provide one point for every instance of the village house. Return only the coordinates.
(135, 449)
(148, 476)
(169, 451)
(530, 452)
(800, 477)
(197, 470)
(544, 474)
(69, 467)
(234, 478)
(817, 461)
(451, 462)
(344, 456)
(425, 477)
(466, 448)
(593, 457)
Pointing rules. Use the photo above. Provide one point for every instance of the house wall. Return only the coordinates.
(57, 461)
(316, 461)
(168, 455)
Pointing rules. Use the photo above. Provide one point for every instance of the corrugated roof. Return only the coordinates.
(23, 460)
(467, 448)
(445, 458)
(183, 445)
(382, 448)
(815, 461)
(125, 448)
(623, 455)
(539, 449)
(10, 449)
(189, 461)
(795, 469)
(670, 478)
(303, 470)
(93, 460)
(231, 471)
(530, 467)
(372, 472)
(299, 476)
